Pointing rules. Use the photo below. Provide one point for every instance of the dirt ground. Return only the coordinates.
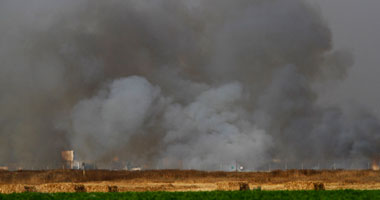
(188, 180)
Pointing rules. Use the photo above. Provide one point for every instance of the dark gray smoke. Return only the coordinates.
(175, 83)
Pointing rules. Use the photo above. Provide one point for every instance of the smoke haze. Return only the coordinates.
(176, 83)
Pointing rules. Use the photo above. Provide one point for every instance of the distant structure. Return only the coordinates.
(116, 164)
(67, 159)
(3, 168)
(375, 165)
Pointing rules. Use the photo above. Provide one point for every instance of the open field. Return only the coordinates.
(53, 181)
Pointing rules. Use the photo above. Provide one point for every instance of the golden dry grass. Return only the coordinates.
(183, 180)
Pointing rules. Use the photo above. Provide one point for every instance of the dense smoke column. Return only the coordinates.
(168, 83)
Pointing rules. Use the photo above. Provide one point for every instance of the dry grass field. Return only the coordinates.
(188, 180)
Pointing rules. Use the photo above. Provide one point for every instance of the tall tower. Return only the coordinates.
(67, 159)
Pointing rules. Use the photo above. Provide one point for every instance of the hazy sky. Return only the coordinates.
(226, 80)
(356, 26)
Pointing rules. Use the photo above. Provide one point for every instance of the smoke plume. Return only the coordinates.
(175, 83)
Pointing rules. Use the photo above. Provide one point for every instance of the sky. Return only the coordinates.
(156, 82)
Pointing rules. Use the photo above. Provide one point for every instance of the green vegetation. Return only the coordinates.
(217, 195)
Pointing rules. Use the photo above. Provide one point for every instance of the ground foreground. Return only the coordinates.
(220, 195)
(54, 181)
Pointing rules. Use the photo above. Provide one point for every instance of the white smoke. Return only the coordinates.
(214, 129)
(108, 120)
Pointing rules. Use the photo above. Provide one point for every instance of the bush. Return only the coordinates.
(319, 186)
(30, 188)
(112, 188)
(79, 188)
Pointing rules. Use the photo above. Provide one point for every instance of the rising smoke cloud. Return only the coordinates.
(169, 83)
